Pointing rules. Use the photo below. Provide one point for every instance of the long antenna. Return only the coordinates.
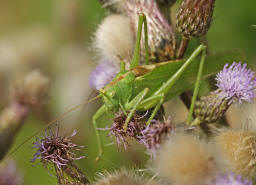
(52, 122)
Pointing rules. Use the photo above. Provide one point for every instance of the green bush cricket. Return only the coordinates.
(119, 94)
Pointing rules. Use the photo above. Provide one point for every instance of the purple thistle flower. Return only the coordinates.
(236, 83)
(232, 179)
(103, 74)
(155, 133)
(56, 149)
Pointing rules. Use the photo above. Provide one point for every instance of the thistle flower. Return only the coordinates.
(237, 82)
(134, 128)
(161, 37)
(9, 174)
(114, 39)
(154, 134)
(239, 148)
(231, 179)
(102, 75)
(58, 151)
(194, 17)
(123, 177)
(184, 160)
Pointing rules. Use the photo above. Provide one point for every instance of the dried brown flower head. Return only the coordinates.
(155, 133)
(56, 149)
(134, 128)
(59, 151)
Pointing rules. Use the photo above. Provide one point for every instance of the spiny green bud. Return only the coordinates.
(211, 107)
(194, 17)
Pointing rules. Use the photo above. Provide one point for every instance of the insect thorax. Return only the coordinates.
(118, 92)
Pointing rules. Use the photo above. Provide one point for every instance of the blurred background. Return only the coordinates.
(55, 37)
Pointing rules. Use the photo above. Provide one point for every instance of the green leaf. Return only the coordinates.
(161, 72)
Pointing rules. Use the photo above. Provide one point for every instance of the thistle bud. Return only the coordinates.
(194, 17)
(210, 107)
(161, 37)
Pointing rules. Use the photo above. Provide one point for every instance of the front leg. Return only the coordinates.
(97, 115)
(133, 105)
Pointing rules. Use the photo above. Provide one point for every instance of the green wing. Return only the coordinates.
(161, 72)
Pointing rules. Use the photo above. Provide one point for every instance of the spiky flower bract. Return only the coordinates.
(237, 82)
(114, 39)
(211, 107)
(231, 179)
(161, 37)
(103, 74)
(239, 149)
(184, 160)
(194, 17)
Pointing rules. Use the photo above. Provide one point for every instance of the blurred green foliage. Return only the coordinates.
(231, 28)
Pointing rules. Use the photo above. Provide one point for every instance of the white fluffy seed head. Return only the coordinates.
(184, 160)
(114, 39)
(239, 149)
(122, 177)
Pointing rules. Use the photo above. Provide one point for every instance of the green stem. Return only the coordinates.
(197, 85)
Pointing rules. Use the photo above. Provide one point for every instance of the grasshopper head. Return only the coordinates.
(118, 92)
